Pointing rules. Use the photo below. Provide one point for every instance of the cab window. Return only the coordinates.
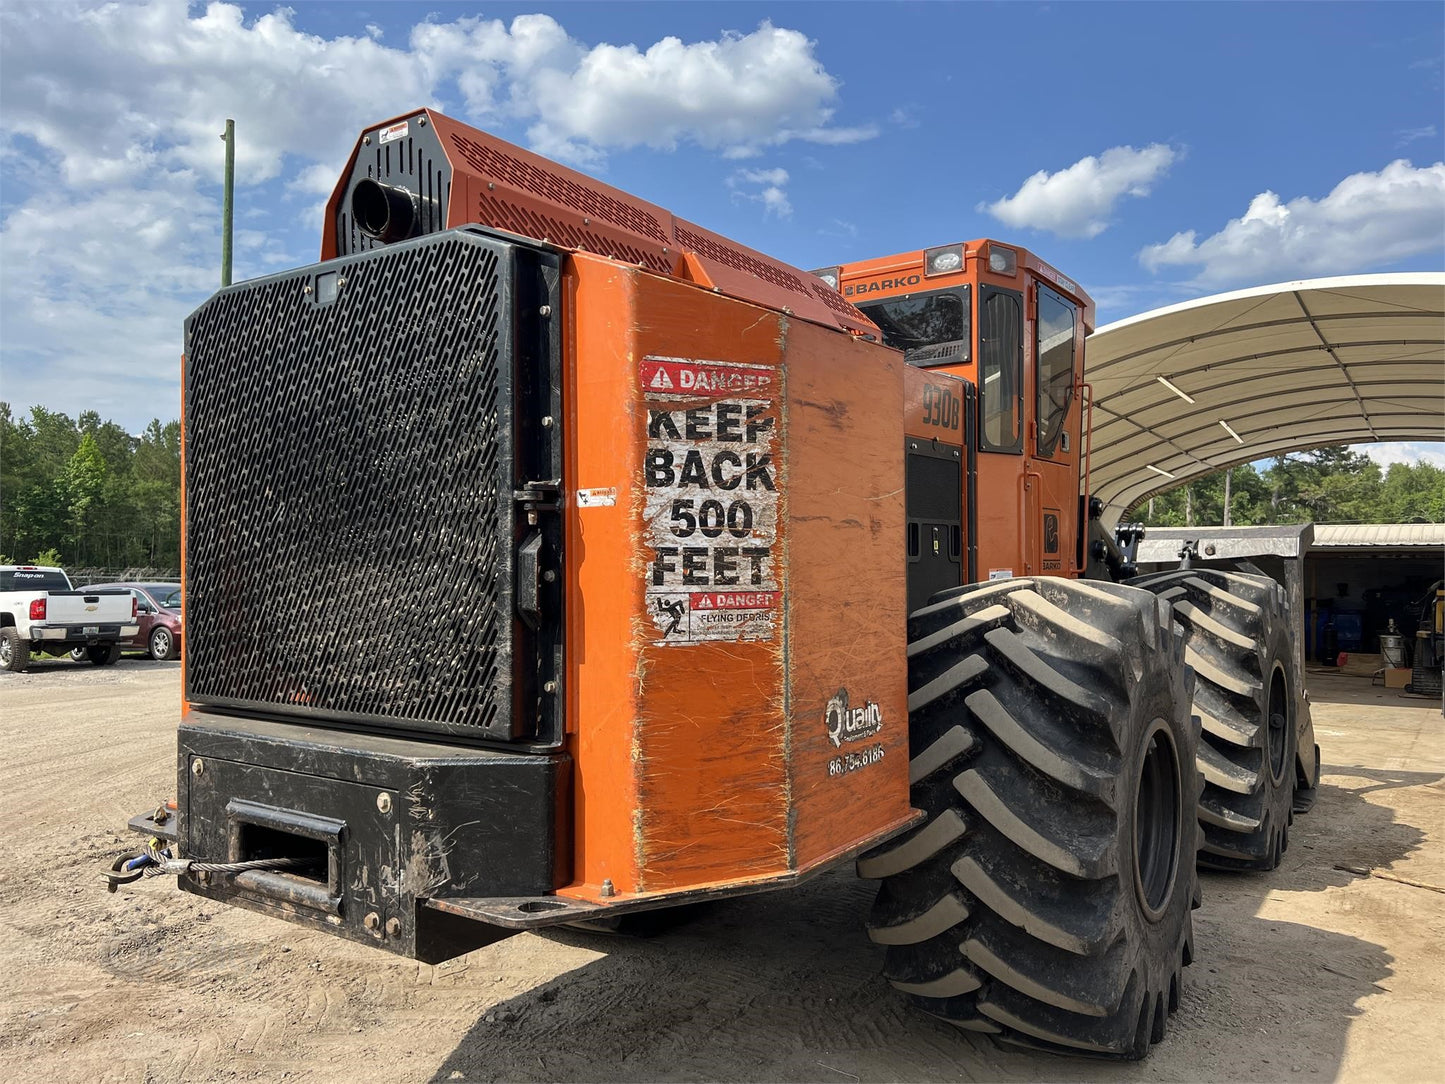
(930, 329)
(1054, 352)
(1000, 370)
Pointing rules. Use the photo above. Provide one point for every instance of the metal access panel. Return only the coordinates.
(407, 155)
(371, 480)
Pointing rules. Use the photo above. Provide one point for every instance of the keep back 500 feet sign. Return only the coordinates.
(711, 508)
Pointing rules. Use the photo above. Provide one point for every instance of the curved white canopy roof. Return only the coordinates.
(1297, 365)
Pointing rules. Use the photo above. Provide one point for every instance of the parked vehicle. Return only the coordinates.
(158, 612)
(41, 612)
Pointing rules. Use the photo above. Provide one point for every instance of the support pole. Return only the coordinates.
(228, 200)
(1228, 476)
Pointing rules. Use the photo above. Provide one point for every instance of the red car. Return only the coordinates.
(158, 608)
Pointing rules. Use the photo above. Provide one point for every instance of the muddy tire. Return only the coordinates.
(14, 651)
(1046, 898)
(1237, 639)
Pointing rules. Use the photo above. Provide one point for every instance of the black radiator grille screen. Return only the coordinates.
(349, 537)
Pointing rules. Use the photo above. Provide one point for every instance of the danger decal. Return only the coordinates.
(711, 506)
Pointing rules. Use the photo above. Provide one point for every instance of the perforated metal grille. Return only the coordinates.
(516, 219)
(348, 490)
(493, 162)
(714, 249)
(833, 299)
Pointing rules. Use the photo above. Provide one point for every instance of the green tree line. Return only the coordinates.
(1327, 485)
(83, 492)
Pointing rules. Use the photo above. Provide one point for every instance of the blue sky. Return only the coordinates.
(1153, 152)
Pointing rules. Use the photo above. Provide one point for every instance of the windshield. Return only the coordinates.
(33, 579)
(165, 594)
(913, 324)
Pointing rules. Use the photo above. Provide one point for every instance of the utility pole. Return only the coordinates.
(1228, 474)
(227, 201)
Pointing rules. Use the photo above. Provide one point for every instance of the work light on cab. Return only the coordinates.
(942, 261)
(829, 275)
(1002, 261)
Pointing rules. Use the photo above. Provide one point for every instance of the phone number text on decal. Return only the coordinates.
(851, 762)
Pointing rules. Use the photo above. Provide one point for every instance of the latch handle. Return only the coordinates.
(529, 580)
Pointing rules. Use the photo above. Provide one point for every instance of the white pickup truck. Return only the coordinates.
(39, 612)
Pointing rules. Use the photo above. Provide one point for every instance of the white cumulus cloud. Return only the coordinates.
(1404, 452)
(765, 186)
(1078, 201)
(1367, 220)
(110, 160)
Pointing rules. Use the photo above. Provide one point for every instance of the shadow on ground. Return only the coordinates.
(785, 987)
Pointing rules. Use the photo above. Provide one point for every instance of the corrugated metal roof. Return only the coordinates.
(1261, 372)
(1379, 535)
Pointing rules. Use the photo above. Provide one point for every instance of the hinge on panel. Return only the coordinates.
(535, 497)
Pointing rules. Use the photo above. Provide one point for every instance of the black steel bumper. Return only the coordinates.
(389, 824)
(69, 636)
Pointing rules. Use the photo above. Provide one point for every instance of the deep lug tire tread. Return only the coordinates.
(1012, 910)
(1236, 630)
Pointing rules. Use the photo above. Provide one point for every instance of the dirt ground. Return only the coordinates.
(1307, 973)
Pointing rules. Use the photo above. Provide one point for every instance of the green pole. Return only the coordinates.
(227, 201)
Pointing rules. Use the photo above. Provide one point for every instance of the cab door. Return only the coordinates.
(1051, 475)
(1003, 520)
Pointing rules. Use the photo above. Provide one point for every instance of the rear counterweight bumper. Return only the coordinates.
(385, 823)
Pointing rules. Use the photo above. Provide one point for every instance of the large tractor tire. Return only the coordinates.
(1046, 898)
(1237, 638)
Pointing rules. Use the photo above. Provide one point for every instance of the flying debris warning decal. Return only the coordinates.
(396, 131)
(711, 508)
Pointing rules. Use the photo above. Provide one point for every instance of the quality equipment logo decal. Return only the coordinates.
(846, 723)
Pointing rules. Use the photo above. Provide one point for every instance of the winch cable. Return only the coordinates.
(154, 860)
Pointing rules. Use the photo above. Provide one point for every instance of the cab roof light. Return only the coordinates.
(830, 275)
(1158, 470)
(943, 260)
(1183, 395)
(1002, 261)
(1238, 439)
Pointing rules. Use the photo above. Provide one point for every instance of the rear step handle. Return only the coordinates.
(287, 887)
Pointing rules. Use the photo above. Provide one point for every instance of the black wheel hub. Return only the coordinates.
(1278, 720)
(1157, 809)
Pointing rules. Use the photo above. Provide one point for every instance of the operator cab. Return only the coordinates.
(1011, 329)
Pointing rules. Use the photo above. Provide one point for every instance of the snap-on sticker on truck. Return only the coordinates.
(711, 507)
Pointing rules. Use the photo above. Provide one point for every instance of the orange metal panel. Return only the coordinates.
(933, 406)
(707, 599)
(602, 598)
(711, 745)
(847, 592)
